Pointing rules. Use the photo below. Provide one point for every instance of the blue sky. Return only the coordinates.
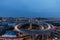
(30, 8)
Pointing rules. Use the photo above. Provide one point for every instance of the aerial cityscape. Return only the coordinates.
(29, 19)
(22, 28)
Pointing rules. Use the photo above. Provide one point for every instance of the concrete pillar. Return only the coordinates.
(30, 27)
(44, 37)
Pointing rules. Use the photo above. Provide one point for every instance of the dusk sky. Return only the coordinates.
(30, 8)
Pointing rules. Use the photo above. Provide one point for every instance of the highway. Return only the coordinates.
(43, 31)
(39, 31)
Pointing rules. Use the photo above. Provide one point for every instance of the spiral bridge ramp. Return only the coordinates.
(38, 31)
